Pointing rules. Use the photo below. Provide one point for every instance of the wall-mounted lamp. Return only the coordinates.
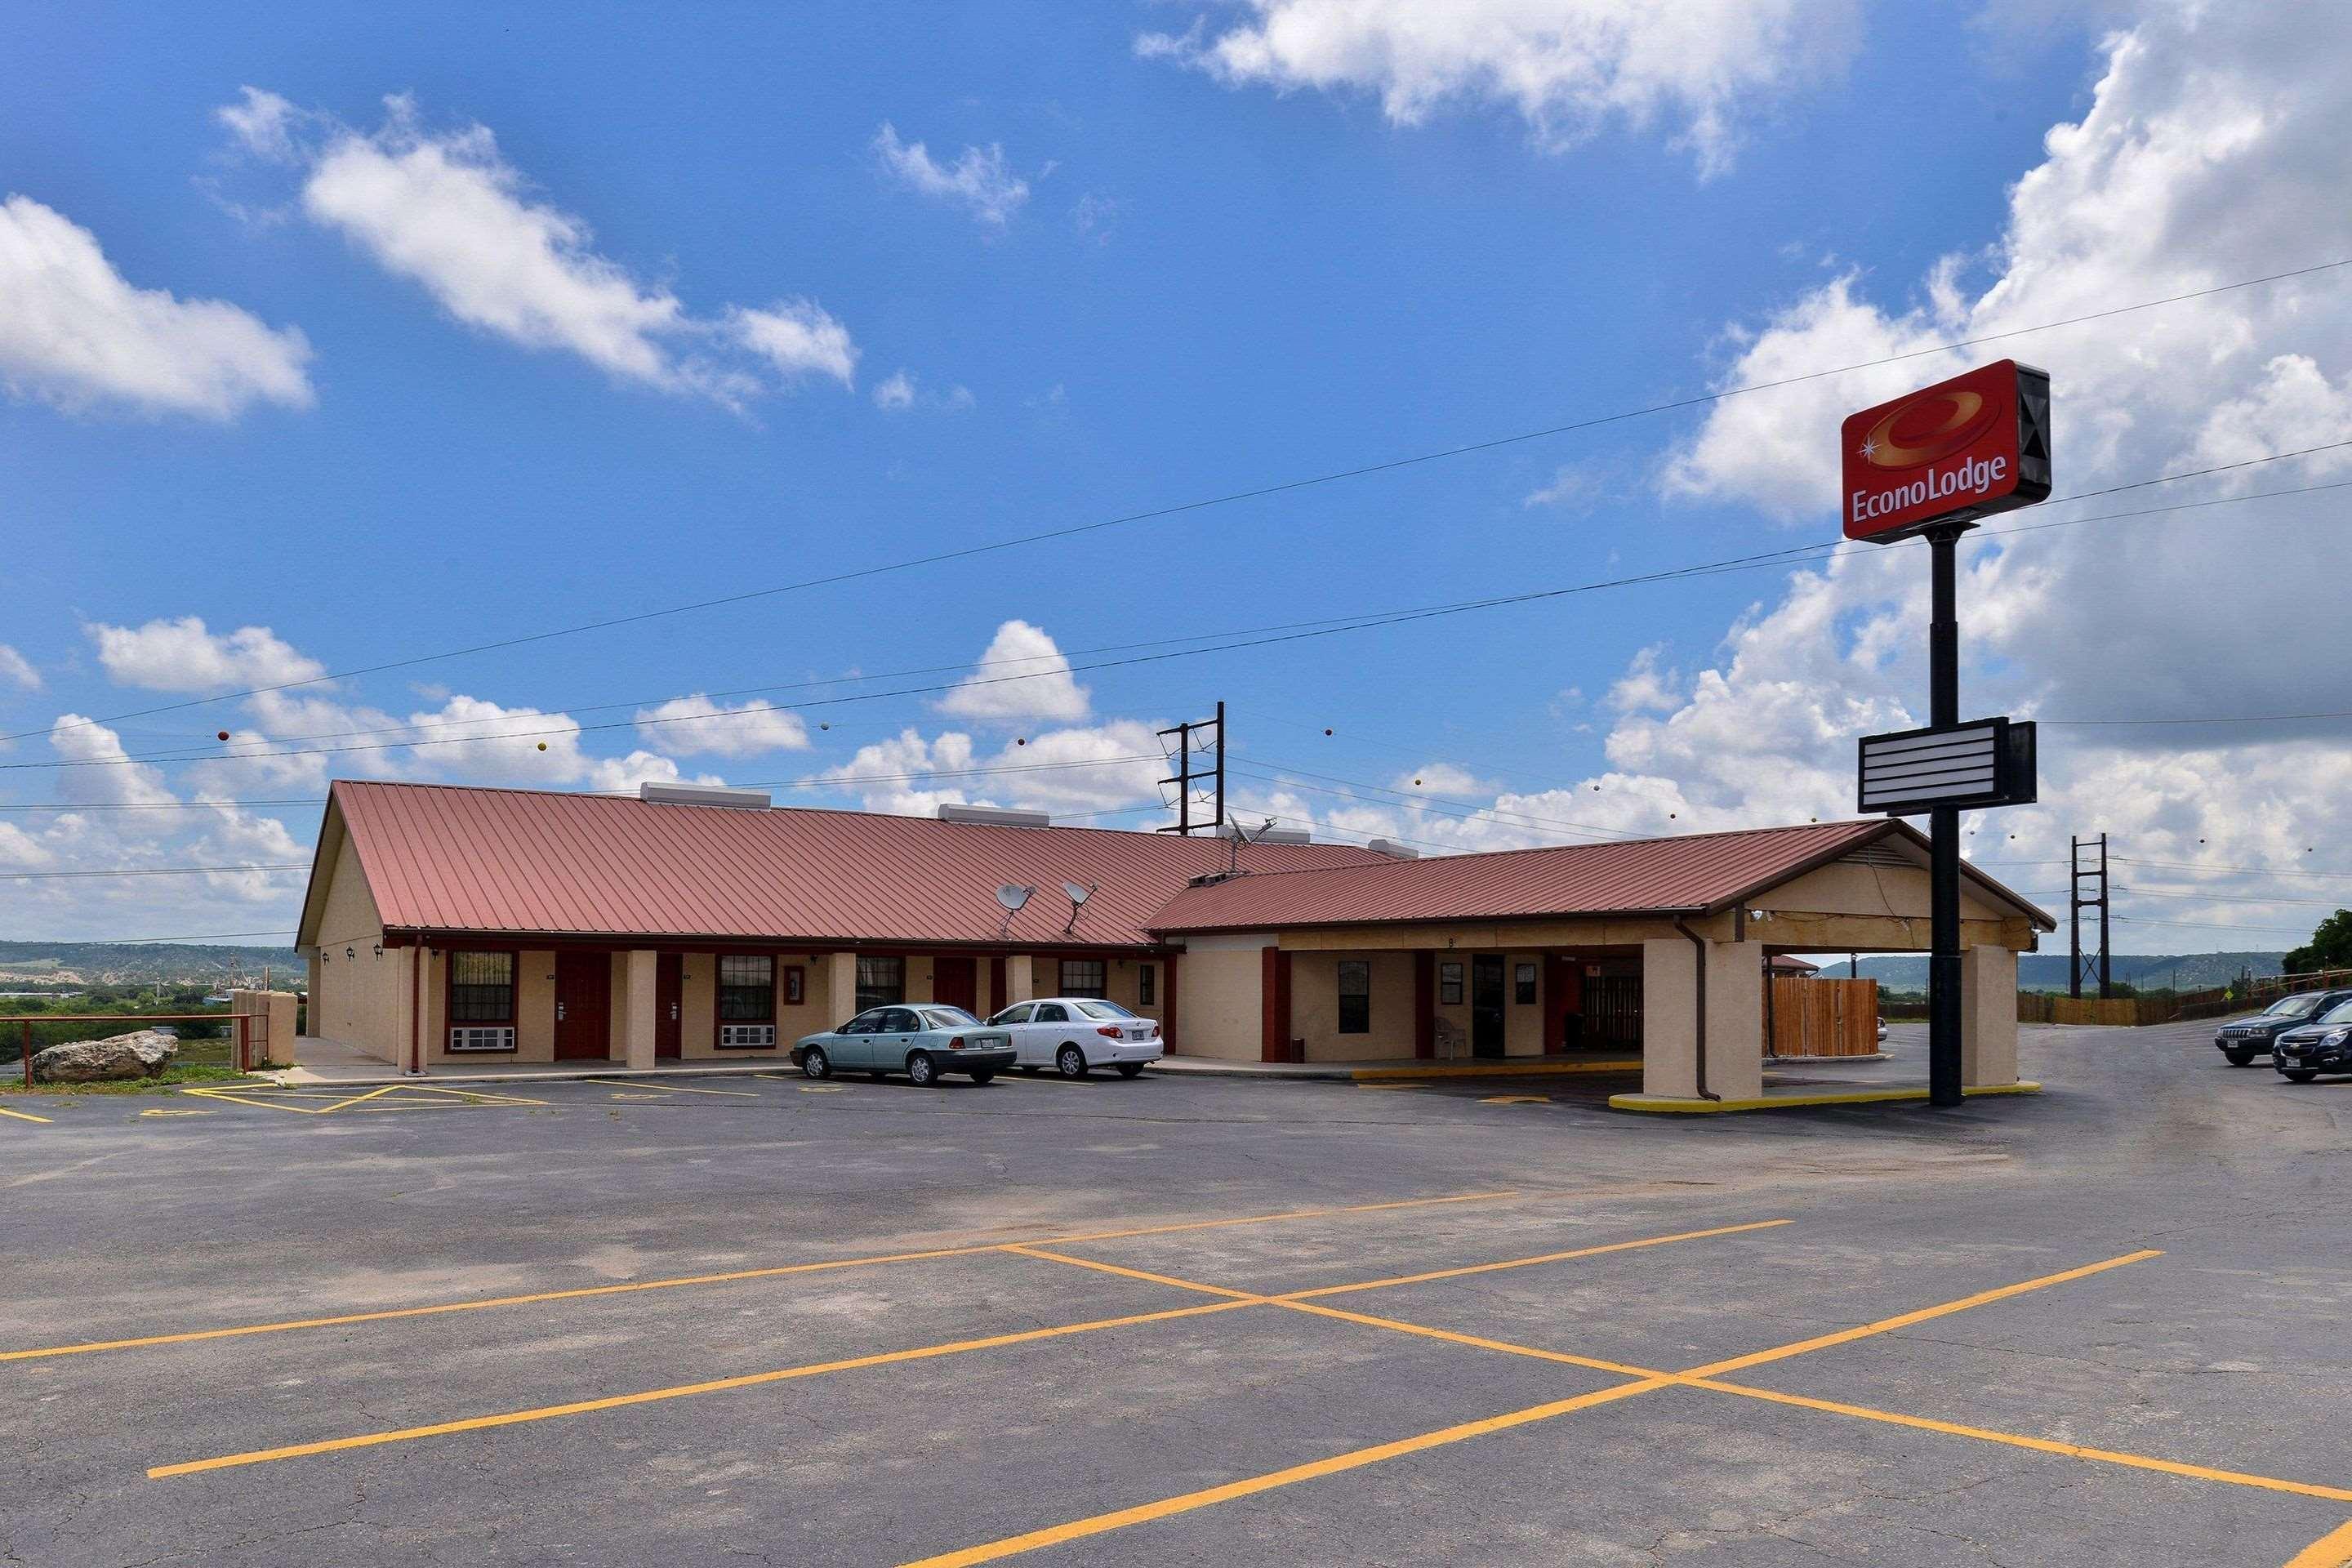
(379, 950)
(348, 954)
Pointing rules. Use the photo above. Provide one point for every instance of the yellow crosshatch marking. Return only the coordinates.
(1638, 1379)
(390, 1096)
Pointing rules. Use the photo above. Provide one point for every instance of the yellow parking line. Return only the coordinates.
(1079, 1529)
(580, 1293)
(1134, 1273)
(2332, 1550)
(23, 1115)
(731, 1277)
(2042, 1444)
(1472, 1341)
(1528, 1262)
(1886, 1325)
(682, 1391)
(681, 1088)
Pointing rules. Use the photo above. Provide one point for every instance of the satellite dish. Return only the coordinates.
(1078, 892)
(1013, 895)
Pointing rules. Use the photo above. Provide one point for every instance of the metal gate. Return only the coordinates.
(1612, 1010)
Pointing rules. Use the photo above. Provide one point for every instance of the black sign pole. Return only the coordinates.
(1944, 832)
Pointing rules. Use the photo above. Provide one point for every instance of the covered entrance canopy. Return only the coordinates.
(1656, 943)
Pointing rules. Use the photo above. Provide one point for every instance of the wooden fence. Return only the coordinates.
(1808, 1015)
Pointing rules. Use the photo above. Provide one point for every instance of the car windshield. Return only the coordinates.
(1093, 1009)
(2339, 1014)
(949, 1018)
(2294, 1006)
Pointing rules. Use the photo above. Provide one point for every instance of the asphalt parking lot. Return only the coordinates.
(1184, 1320)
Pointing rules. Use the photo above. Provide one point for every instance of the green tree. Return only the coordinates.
(2330, 947)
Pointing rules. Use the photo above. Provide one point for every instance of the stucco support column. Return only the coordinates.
(841, 986)
(1020, 977)
(1735, 1018)
(633, 1038)
(1988, 1016)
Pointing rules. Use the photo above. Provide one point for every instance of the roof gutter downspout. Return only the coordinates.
(1698, 953)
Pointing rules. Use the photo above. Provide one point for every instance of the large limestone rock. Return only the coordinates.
(142, 1054)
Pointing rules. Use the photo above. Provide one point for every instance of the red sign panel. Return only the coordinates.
(1953, 452)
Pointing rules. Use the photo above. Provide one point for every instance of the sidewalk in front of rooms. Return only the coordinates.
(330, 1062)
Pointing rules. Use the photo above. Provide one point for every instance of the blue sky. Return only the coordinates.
(1118, 276)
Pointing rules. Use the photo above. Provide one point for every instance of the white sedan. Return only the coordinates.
(1071, 1034)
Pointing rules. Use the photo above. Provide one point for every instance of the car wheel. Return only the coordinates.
(922, 1069)
(981, 1074)
(2240, 1058)
(814, 1063)
(1130, 1069)
(1070, 1062)
(2302, 1077)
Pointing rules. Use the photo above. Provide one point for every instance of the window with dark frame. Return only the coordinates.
(881, 982)
(1146, 984)
(481, 987)
(747, 988)
(1085, 977)
(1355, 996)
(1523, 984)
(1449, 985)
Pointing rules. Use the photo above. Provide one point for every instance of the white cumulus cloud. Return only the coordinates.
(697, 724)
(1022, 676)
(979, 179)
(75, 332)
(448, 211)
(181, 654)
(1566, 67)
(17, 670)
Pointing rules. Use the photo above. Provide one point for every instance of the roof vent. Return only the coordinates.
(995, 816)
(703, 795)
(1390, 847)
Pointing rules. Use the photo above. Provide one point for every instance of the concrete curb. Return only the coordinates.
(1340, 1072)
(286, 1078)
(1671, 1105)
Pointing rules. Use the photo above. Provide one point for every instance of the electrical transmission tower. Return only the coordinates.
(2078, 970)
(1187, 777)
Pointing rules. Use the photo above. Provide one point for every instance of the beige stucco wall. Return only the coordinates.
(1988, 1016)
(270, 1034)
(1219, 1014)
(362, 1000)
(1735, 1019)
(1314, 1007)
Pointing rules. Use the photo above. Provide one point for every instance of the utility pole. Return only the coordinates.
(2076, 903)
(1187, 775)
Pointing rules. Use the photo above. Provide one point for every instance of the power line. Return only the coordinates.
(1230, 497)
(141, 941)
(2194, 897)
(2243, 870)
(2212, 925)
(1370, 622)
(158, 871)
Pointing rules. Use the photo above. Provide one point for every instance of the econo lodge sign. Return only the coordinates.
(1953, 452)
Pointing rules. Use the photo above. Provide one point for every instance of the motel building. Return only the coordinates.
(448, 927)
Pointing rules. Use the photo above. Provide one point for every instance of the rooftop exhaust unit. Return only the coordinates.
(1390, 847)
(703, 795)
(995, 816)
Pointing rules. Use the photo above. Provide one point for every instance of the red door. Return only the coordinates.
(955, 983)
(583, 1006)
(669, 972)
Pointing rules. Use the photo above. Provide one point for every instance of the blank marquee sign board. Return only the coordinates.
(1987, 763)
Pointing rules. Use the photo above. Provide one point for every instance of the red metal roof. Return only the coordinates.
(446, 859)
(1700, 871)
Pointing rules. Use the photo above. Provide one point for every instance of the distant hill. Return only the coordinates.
(2047, 971)
(70, 963)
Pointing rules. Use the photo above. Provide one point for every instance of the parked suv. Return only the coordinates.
(2242, 1042)
(2324, 1044)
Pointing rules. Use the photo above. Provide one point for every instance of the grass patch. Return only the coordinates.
(167, 1082)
